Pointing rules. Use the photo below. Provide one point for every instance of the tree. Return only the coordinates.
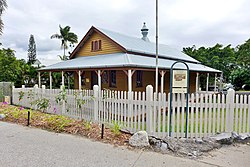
(240, 77)
(243, 54)
(32, 50)
(218, 57)
(3, 6)
(66, 37)
(14, 70)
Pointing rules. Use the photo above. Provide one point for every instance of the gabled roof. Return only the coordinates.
(135, 45)
(121, 60)
(87, 36)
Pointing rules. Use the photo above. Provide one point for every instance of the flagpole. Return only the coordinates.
(156, 50)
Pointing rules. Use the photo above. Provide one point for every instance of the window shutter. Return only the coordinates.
(100, 45)
(92, 45)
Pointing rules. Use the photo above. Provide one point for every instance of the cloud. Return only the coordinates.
(181, 23)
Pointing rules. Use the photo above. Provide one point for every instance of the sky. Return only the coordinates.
(182, 23)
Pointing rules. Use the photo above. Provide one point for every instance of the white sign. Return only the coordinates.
(180, 78)
(179, 90)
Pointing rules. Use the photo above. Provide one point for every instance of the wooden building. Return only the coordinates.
(121, 62)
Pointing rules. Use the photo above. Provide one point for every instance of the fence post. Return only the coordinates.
(96, 100)
(21, 102)
(149, 117)
(36, 97)
(43, 88)
(230, 111)
(63, 103)
(13, 95)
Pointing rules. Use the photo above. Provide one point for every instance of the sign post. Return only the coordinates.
(179, 83)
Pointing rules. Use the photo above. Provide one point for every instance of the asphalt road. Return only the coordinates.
(29, 147)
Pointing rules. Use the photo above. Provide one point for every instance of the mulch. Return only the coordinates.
(75, 127)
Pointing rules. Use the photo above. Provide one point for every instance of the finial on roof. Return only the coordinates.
(144, 32)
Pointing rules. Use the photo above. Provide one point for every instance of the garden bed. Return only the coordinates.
(63, 124)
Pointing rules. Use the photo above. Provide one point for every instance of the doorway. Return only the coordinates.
(94, 79)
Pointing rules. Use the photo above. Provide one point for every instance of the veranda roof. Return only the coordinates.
(121, 60)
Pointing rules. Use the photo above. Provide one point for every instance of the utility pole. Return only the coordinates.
(156, 50)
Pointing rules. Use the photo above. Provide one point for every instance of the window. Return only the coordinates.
(105, 77)
(139, 78)
(96, 45)
(112, 78)
(83, 78)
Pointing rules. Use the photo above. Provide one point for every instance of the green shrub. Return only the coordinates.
(116, 129)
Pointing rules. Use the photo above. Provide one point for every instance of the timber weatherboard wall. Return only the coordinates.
(107, 46)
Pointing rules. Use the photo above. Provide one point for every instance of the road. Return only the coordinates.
(30, 147)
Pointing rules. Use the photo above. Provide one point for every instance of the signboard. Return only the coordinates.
(179, 90)
(179, 81)
(180, 78)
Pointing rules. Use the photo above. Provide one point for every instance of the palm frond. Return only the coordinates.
(72, 37)
(56, 36)
(3, 5)
(66, 37)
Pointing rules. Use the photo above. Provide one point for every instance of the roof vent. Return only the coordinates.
(144, 32)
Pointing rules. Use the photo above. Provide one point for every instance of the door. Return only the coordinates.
(94, 79)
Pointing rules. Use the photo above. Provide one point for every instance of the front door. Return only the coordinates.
(94, 79)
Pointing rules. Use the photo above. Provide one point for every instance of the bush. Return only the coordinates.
(246, 87)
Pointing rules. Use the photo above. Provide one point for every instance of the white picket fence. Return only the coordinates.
(69, 107)
(208, 114)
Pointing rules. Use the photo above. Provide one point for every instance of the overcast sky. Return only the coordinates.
(182, 23)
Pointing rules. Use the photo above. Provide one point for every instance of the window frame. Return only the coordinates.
(96, 45)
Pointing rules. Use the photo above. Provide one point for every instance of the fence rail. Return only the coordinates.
(208, 114)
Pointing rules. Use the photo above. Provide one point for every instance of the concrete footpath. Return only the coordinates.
(30, 147)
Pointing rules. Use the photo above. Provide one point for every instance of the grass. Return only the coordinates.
(211, 126)
(115, 128)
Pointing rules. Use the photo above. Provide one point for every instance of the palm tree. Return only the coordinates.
(3, 6)
(66, 37)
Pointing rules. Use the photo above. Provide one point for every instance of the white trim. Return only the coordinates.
(197, 82)
(99, 79)
(207, 82)
(62, 78)
(129, 81)
(50, 80)
(79, 80)
(39, 79)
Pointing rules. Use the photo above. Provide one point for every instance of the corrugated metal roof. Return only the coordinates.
(121, 60)
(138, 45)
